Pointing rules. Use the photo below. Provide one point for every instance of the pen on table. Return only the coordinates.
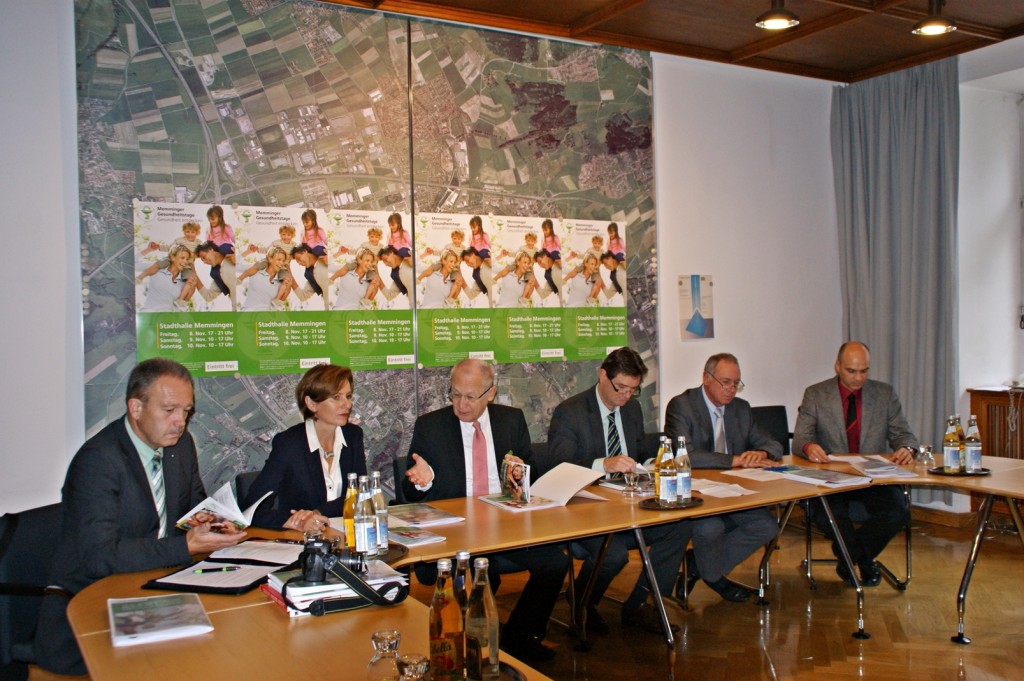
(203, 571)
(284, 541)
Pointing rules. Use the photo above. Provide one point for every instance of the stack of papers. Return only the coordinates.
(876, 466)
(302, 594)
(710, 488)
(819, 476)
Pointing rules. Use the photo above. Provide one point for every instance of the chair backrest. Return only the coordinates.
(398, 471)
(27, 555)
(773, 420)
(243, 481)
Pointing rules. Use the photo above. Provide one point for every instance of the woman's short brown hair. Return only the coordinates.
(319, 383)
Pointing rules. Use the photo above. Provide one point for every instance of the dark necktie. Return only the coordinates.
(550, 280)
(479, 281)
(852, 426)
(311, 278)
(614, 443)
(615, 281)
(398, 281)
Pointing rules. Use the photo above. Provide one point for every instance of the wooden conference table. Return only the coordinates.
(254, 639)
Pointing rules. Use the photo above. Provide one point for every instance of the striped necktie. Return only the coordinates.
(156, 481)
(614, 443)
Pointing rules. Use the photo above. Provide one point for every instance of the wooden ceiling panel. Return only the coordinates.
(843, 40)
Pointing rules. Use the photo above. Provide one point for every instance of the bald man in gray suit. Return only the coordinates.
(850, 413)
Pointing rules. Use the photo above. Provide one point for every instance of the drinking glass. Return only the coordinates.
(413, 667)
(631, 491)
(384, 663)
(924, 457)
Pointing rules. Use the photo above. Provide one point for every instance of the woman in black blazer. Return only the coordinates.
(309, 463)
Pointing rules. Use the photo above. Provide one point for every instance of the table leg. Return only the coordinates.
(1015, 514)
(961, 596)
(580, 617)
(670, 639)
(762, 571)
(860, 633)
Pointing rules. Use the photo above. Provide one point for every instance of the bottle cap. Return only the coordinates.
(480, 563)
(462, 555)
(444, 564)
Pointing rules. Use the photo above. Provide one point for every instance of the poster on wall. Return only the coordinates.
(252, 290)
(696, 309)
(517, 289)
(266, 290)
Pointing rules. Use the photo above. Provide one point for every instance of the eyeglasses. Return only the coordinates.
(458, 397)
(625, 388)
(728, 384)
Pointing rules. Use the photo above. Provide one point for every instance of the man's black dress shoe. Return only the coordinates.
(870, 575)
(730, 591)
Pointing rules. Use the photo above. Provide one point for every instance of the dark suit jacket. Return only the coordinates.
(110, 526)
(687, 415)
(822, 419)
(437, 438)
(577, 431)
(293, 472)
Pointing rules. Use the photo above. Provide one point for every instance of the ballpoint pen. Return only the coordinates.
(203, 571)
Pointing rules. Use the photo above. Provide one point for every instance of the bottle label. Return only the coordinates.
(667, 488)
(973, 458)
(382, 530)
(366, 536)
(684, 487)
(445, 658)
(951, 458)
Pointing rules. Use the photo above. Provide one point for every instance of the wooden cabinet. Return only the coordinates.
(1000, 420)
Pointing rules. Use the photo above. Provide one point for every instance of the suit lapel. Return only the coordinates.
(315, 471)
(141, 477)
(706, 435)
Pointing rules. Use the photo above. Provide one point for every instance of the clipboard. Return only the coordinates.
(231, 571)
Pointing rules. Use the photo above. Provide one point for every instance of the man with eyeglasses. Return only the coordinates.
(850, 413)
(603, 428)
(457, 451)
(720, 433)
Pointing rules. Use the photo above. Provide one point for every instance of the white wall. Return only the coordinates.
(745, 194)
(42, 413)
(990, 229)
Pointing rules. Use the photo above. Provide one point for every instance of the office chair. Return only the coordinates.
(774, 421)
(858, 514)
(26, 556)
(243, 481)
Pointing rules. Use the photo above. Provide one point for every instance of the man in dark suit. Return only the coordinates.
(720, 433)
(603, 428)
(124, 490)
(850, 413)
(457, 451)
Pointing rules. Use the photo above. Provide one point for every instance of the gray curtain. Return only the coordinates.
(895, 154)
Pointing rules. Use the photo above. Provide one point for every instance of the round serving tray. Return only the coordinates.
(653, 505)
(961, 474)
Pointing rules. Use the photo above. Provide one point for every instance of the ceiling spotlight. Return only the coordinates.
(934, 23)
(777, 18)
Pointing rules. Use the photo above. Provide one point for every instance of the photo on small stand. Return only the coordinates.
(515, 480)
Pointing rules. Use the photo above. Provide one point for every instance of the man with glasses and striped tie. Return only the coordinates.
(603, 428)
(720, 433)
(124, 490)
